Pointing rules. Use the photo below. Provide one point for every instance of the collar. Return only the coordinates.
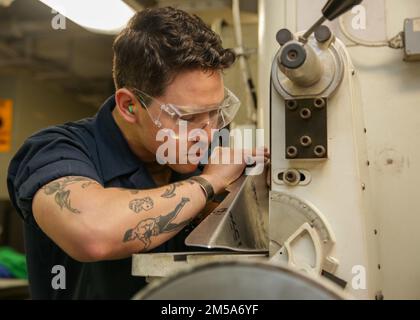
(115, 156)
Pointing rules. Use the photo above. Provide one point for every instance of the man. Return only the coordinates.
(92, 193)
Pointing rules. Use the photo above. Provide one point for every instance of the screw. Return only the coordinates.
(379, 296)
(320, 151)
(291, 177)
(319, 103)
(291, 105)
(305, 141)
(292, 152)
(305, 113)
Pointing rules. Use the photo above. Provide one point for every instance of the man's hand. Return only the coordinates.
(226, 165)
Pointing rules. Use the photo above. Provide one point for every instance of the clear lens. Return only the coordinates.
(169, 116)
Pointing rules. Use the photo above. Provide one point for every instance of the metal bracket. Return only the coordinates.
(306, 128)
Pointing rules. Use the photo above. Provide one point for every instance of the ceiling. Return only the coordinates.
(76, 60)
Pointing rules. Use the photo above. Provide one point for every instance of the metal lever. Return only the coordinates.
(332, 10)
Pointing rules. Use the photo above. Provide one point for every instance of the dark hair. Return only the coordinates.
(161, 42)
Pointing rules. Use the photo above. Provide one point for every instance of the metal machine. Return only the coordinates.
(320, 217)
(315, 217)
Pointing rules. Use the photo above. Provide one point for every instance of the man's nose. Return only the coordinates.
(203, 134)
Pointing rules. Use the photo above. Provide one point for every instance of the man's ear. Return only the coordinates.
(127, 105)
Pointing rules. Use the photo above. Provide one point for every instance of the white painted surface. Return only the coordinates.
(391, 103)
(336, 186)
(391, 99)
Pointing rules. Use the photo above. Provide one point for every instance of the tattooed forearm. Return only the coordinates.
(88, 184)
(170, 191)
(62, 195)
(153, 227)
(138, 205)
(133, 192)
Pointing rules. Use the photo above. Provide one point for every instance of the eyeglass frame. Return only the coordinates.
(173, 110)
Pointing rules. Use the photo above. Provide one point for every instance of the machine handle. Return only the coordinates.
(332, 10)
(335, 8)
(314, 270)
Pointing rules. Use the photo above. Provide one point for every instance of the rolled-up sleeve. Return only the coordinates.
(43, 158)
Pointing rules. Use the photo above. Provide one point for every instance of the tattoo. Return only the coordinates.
(138, 205)
(88, 184)
(133, 192)
(148, 228)
(170, 191)
(62, 195)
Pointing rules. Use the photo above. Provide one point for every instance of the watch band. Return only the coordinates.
(206, 186)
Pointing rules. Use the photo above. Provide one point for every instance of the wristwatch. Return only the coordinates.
(206, 186)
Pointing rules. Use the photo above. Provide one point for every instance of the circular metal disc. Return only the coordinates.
(238, 281)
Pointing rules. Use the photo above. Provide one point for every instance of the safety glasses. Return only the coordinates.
(170, 116)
